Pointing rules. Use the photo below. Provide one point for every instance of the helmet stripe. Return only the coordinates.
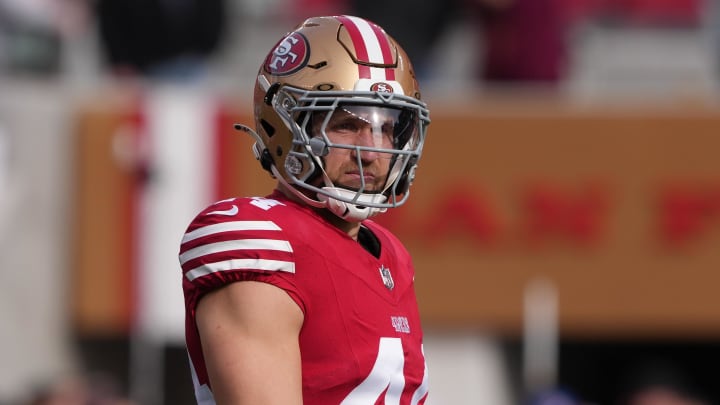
(358, 43)
(387, 56)
(371, 46)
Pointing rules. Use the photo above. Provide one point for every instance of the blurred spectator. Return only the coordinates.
(662, 396)
(302, 9)
(554, 396)
(524, 40)
(521, 40)
(29, 38)
(659, 383)
(160, 38)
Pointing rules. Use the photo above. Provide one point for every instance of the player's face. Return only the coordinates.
(364, 131)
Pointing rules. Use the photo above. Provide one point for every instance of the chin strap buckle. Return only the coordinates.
(352, 212)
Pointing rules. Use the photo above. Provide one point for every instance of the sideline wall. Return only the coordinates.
(618, 208)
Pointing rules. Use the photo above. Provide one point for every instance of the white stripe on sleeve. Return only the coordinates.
(230, 226)
(237, 264)
(239, 244)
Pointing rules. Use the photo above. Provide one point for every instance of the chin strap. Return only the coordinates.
(351, 212)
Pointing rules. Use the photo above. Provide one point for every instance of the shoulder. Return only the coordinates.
(238, 214)
(235, 209)
(258, 232)
(234, 236)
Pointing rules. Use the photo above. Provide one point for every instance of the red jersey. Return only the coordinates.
(361, 340)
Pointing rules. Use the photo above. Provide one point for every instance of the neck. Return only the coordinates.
(350, 228)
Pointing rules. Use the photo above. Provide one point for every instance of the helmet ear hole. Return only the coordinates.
(269, 129)
(266, 160)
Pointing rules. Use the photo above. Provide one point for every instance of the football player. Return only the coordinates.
(298, 297)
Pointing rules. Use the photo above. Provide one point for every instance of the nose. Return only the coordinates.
(367, 138)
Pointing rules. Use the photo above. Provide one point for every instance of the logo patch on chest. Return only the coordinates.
(400, 323)
(386, 277)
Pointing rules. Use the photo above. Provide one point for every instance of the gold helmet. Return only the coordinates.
(329, 64)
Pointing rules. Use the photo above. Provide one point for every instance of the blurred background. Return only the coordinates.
(564, 224)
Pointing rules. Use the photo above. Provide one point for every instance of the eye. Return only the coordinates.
(345, 126)
(388, 129)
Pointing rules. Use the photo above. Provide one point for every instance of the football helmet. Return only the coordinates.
(328, 66)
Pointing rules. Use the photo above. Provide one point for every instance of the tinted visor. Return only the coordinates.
(376, 126)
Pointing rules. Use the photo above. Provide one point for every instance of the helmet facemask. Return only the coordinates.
(397, 125)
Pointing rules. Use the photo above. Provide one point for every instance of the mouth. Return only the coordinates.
(353, 180)
(358, 176)
(368, 176)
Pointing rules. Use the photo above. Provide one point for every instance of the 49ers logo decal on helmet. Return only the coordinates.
(289, 55)
(382, 87)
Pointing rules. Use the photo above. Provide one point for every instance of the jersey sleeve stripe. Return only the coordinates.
(241, 244)
(240, 264)
(228, 227)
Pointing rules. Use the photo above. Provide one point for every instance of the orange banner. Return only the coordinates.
(619, 210)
